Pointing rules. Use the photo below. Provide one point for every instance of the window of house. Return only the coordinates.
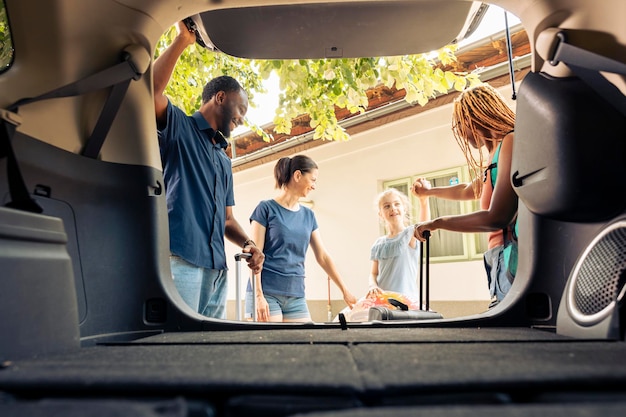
(446, 246)
(6, 45)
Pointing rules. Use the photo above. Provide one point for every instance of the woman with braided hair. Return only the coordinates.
(482, 120)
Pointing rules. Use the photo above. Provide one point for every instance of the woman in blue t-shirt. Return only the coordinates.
(283, 229)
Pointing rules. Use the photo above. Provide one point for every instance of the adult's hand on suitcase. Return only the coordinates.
(349, 299)
(255, 262)
(422, 231)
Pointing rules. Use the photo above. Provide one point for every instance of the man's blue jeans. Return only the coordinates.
(204, 290)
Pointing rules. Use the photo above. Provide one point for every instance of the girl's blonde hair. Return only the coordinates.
(403, 198)
(480, 105)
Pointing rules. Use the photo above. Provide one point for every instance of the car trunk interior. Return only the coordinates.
(114, 338)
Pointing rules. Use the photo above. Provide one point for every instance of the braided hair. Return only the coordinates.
(480, 106)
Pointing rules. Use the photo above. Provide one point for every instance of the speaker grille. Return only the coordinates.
(600, 276)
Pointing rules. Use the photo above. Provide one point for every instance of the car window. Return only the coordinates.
(6, 45)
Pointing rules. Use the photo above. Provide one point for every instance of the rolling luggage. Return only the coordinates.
(238, 287)
(402, 311)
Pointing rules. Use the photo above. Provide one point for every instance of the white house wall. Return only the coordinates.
(351, 174)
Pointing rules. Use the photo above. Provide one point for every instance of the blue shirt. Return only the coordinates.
(287, 237)
(199, 186)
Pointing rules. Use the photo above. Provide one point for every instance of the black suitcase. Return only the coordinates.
(402, 312)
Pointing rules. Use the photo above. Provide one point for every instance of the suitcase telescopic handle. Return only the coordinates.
(242, 255)
(424, 292)
(238, 286)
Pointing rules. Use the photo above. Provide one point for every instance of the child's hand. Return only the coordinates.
(374, 292)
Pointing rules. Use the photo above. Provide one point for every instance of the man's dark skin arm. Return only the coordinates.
(236, 234)
(163, 68)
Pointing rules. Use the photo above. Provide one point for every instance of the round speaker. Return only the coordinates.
(599, 277)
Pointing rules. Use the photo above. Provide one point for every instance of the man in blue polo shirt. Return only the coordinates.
(199, 183)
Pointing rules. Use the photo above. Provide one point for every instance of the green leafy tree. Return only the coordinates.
(6, 45)
(315, 87)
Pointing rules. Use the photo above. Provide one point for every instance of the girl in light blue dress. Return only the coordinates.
(395, 256)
